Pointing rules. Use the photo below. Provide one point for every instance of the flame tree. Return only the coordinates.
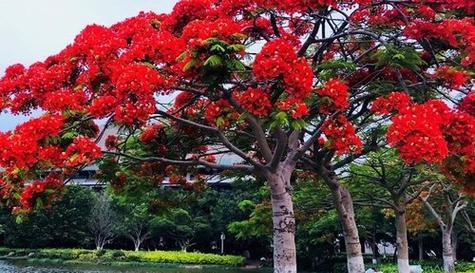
(278, 84)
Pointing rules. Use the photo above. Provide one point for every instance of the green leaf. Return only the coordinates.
(69, 135)
(298, 124)
(213, 61)
(218, 48)
(242, 117)
(398, 56)
(210, 41)
(181, 57)
(237, 47)
(220, 121)
(281, 116)
(235, 65)
(190, 65)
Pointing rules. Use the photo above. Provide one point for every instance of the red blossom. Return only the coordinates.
(82, 151)
(279, 59)
(36, 190)
(256, 101)
(416, 133)
(451, 76)
(151, 132)
(468, 104)
(341, 135)
(334, 96)
(111, 142)
(295, 107)
(220, 113)
(394, 102)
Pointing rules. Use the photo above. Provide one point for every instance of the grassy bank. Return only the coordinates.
(118, 257)
(431, 267)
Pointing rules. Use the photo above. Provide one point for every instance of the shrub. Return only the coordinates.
(155, 257)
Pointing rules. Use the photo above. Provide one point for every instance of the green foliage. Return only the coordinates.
(332, 68)
(432, 267)
(259, 223)
(61, 225)
(405, 57)
(93, 256)
(220, 60)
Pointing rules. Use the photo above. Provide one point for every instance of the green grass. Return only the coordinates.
(431, 267)
(118, 257)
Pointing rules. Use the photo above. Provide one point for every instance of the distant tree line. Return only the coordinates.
(192, 220)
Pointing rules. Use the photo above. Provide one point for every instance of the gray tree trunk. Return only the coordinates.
(344, 206)
(447, 251)
(401, 241)
(454, 245)
(283, 219)
(420, 246)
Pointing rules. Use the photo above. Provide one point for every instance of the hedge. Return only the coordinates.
(110, 256)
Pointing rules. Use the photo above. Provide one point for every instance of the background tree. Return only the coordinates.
(62, 225)
(103, 221)
(135, 221)
(181, 226)
(402, 184)
(449, 203)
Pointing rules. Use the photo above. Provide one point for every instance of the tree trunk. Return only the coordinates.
(375, 250)
(454, 245)
(401, 241)
(137, 246)
(420, 246)
(344, 206)
(447, 251)
(283, 220)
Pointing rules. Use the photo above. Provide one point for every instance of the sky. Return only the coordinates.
(32, 30)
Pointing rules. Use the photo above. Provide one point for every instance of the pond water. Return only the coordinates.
(22, 267)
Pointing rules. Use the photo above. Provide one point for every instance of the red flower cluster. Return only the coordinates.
(468, 104)
(256, 101)
(220, 113)
(143, 39)
(296, 5)
(86, 44)
(278, 59)
(394, 102)
(295, 107)
(65, 99)
(151, 132)
(82, 151)
(184, 12)
(137, 82)
(416, 133)
(451, 76)
(21, 148)
(37, 190)
(102, 106)
(134, 113)
(460, 134)
(182, 99)
(341, 136)
(334, 96)
(456, 33)
(223, 29)
(111, 142)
